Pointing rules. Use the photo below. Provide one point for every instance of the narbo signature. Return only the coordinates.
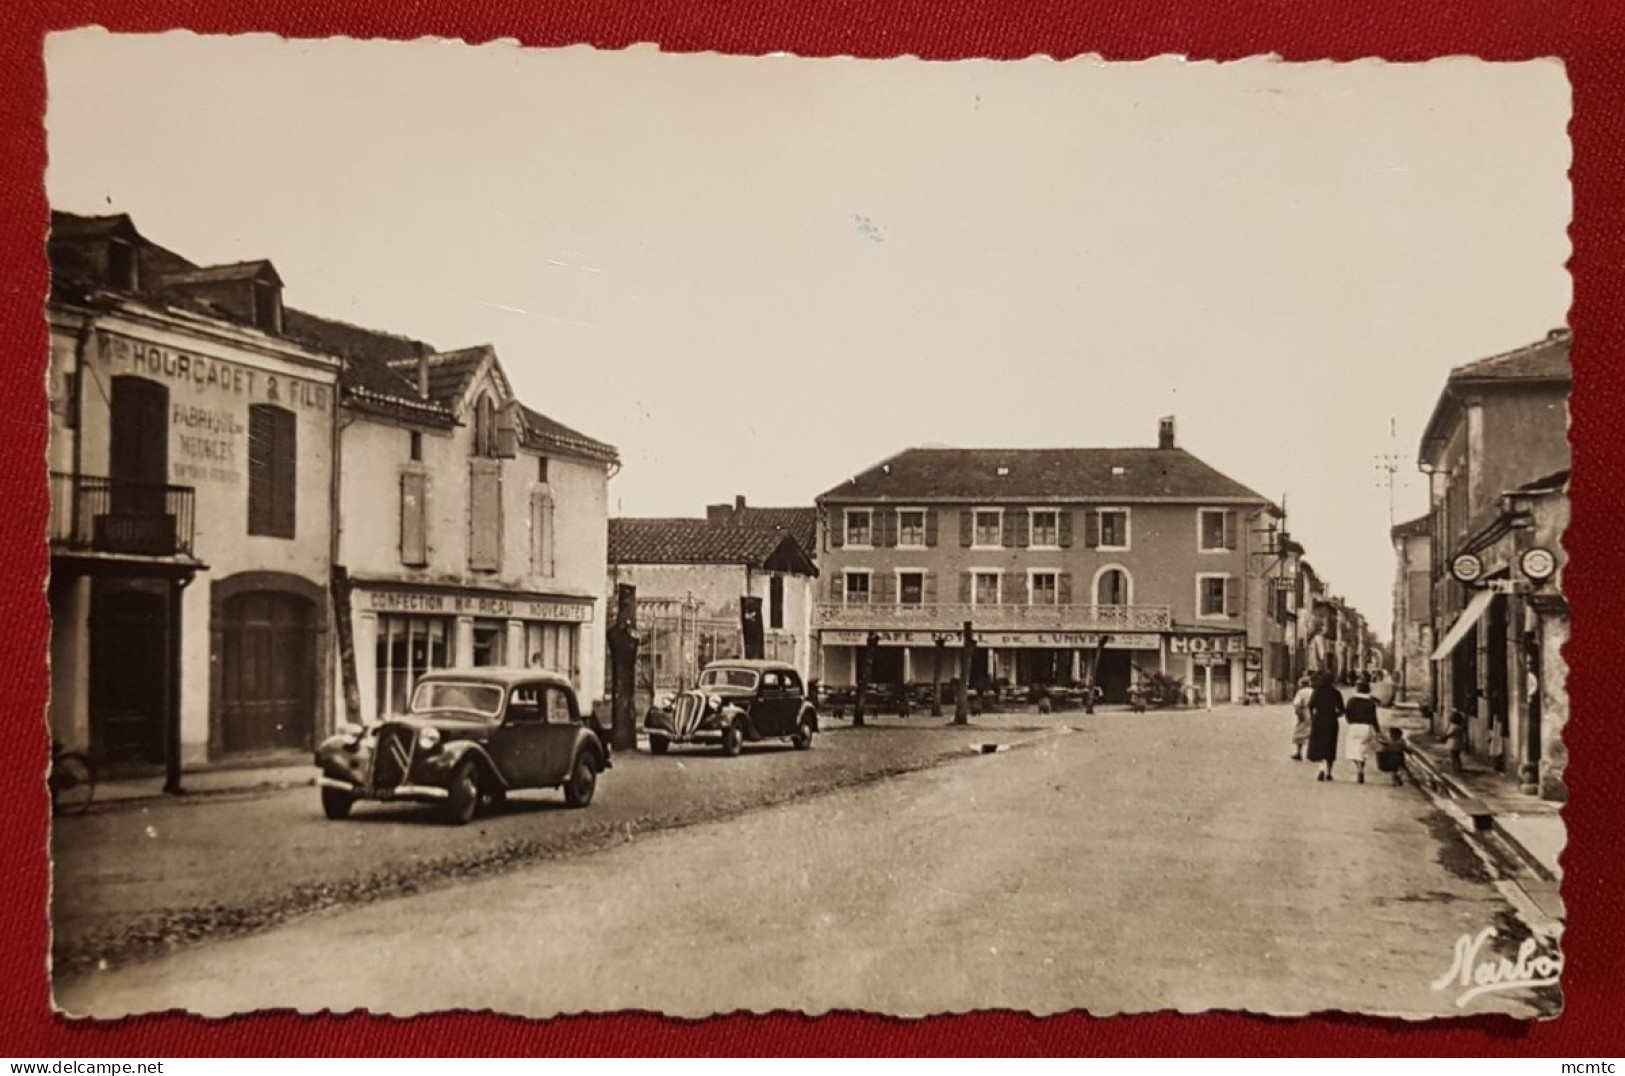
(1478, 974)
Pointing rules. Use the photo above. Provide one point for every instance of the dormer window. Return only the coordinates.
(267, 306)
(485, 427)
(122, 264)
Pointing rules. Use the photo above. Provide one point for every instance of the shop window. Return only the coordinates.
(272, 456)
(407, 647)
(488, 640)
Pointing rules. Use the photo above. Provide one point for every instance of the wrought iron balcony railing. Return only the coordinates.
(103, 515)
(950, 616)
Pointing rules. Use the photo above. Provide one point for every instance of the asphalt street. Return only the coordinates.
(1141, 862)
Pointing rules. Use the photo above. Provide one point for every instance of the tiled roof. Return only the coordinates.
(212, 273)
(1544, 360)
(450, 372)
(544, 433)
(698, 541)
(1413, 528)
(799, 523)
(989, 475)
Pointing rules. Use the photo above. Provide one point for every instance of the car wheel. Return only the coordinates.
(336, 803)
(659, 745)
(464, 800)
(803, 738)
(583, 781)
(733, 741)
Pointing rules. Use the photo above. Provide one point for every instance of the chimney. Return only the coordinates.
(423, 373)
(1165, 433)
(739, 502)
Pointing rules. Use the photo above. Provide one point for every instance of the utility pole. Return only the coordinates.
(1389, 464)
(623, 655)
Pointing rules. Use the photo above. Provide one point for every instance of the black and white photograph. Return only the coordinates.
(556, 531)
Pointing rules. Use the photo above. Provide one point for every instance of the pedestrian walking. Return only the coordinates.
(1300, 709)
(1361, 715)
(1391, 754)
(1325, 707)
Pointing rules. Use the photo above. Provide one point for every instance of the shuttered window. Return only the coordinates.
(414, 512)
(484, 515)
(272, 454)
(541, 533)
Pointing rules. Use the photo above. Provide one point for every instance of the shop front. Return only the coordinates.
(403, 631)
(1218, 666)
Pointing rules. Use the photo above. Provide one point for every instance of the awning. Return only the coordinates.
(1464, 623)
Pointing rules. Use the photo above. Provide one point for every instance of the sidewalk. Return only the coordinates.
(1532, 826)
(204, 783)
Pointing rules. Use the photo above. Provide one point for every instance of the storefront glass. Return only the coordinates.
(407, 648)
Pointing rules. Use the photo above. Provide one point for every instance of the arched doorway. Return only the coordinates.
(1113, 587)
(267, 669)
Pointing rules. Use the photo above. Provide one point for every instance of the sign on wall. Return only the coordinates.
(449, 604)
(1207, 644)
(1055, 640)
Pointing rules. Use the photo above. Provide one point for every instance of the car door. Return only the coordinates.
(769, 714)
(561, 728)
(795, 697)
(519, 745)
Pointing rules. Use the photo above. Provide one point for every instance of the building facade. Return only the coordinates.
(191, 467)
(1124, 562)
(1496, 452)
(691, 576)
(1413, 609)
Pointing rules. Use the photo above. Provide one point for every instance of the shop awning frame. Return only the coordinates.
(1471, 615)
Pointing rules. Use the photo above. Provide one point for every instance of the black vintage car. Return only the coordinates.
(735, 703)
(470, 736)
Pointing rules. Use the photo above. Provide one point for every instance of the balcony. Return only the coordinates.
(951, 617)
(101, 515)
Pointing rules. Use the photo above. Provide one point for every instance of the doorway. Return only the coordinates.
(129, 673)
(268, 672)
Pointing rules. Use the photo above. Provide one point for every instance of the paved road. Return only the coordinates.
(1142, 862)
(134, 880)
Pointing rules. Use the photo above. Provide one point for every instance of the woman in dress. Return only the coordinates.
(1300, 709)
(1325, 707)
(1362, 718)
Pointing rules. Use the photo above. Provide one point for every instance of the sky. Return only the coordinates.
(758, 276)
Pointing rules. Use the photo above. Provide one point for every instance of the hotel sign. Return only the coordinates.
(429, 601)
(1207, 644)
(1056, 640)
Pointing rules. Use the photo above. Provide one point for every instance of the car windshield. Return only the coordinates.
(745, 678)
(475, 700)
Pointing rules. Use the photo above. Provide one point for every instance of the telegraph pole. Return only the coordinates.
(1388, 465)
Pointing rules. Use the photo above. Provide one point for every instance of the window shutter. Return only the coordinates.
(414, 542)
(930, 526)
(1063, 519)
(484, 516)
(835, 528)
(1024, 528)
(272, 482)
(507, 433)
(541, 533)
(837, 587)
(886, 520)
(964, 588)
(1091, 528)
(1230, 530)
(967, 521)
(1063, 588)
(928, 589)
(1232, 596)
(285, 480)
(1007, 535)
(1016, 586)
(884, 585)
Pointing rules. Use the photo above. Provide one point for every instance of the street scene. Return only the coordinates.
(637, 608)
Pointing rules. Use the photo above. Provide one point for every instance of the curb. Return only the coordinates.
(1481, 817)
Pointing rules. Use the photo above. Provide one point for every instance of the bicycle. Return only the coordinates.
(72, 781)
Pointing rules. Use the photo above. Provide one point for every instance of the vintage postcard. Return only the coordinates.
(562, 531)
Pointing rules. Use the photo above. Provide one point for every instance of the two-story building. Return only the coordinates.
(691, 577)
(1413, 608)
(191, 443)
(471, 529)
(1129, 561)
(1496, 453)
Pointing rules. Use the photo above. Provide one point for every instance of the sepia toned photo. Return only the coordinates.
(555, 531)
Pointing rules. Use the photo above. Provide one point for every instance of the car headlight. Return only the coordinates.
(663, 701)
(429, 738)
(714, 702)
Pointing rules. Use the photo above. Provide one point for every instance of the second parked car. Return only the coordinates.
(735, 703)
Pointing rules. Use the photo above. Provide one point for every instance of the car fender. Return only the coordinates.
(593, 747)
(808, 716)
(453, 754)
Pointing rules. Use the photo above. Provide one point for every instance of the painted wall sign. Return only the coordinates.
(210, 374)
(421, 601)
(1058, 640)
(1206, 644)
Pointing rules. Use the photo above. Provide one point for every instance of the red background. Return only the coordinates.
(1588, 36)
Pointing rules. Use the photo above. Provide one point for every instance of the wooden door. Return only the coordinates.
(268, 673)
(129, 673)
